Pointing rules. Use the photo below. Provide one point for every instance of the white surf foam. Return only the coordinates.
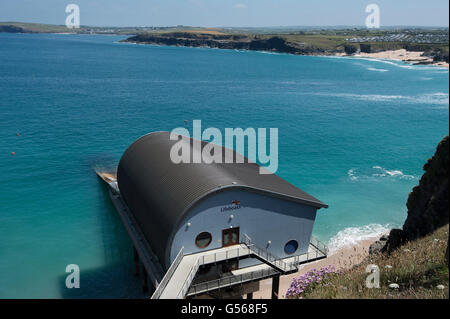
(353, 235)
(438, 98)
(383, 172)
(377, 70)
(378, 172)
(351, 174)
(401, 64)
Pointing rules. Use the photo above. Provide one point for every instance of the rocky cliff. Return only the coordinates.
(427, 203)
(229, 41)
(10, 29)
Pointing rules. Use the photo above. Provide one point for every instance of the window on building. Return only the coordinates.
(203, 240)
(291, 247)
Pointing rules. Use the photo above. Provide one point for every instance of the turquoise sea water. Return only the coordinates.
(354, 133)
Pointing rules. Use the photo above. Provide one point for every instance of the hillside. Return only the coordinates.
(427, 204)
(19, 27)
(293, 44)
(418, 268)
(328, 42)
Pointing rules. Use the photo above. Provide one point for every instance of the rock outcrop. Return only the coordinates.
(378, 246)
(427, 203)
(228, 41)
(10, 29)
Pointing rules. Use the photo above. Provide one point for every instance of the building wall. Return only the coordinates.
(261, 217)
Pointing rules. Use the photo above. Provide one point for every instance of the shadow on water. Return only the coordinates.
(115, 279)
(112, 281)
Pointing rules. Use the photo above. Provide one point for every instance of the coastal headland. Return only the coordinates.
(329, 43)
(414, 45)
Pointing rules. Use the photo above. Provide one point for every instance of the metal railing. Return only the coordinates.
(264, 254)
(237, 252)
(162, 285)
(231, 280)
(209, 259)
(319, 245)
(320, 251)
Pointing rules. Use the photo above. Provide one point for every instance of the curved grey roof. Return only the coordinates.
(159, 193)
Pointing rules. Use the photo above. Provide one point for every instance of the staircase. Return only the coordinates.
(177, 282)
(178, 279)
(269, 259)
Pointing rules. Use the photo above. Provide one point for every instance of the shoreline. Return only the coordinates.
(341, 259)
(414, 58)
(408, 57)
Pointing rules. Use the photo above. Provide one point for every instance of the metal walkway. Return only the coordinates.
(180, 278)
(260, 272)
(177, 282)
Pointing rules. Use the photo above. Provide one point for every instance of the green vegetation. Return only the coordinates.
(418, 267)
(20, 27)
(298, 40)
(320, 41)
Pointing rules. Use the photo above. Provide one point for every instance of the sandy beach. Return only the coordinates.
(402, 55)
(341, 259)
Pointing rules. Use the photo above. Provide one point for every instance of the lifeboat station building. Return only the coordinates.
(210, 229)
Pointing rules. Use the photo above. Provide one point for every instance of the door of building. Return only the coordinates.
(230, 236)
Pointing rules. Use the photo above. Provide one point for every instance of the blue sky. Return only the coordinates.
(210, 13)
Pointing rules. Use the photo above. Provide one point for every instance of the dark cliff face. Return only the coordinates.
(428, 202)
(239, 42)
(10, 29)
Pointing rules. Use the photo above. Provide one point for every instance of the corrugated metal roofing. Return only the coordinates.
(159, 193)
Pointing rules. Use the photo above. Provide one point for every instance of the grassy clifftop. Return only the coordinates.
(21, 27)
(418, 268)
(302, 43)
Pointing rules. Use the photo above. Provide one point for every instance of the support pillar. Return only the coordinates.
(136, 262)
(275, 286)
(144, 280)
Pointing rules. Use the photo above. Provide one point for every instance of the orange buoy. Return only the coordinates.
(13, 153)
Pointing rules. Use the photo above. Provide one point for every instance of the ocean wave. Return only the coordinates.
(378, 172)
(384, 172)
(351, 174)
(272, 53)
(377, 70)
(403, 65)
(439, 98)
(352, 235)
